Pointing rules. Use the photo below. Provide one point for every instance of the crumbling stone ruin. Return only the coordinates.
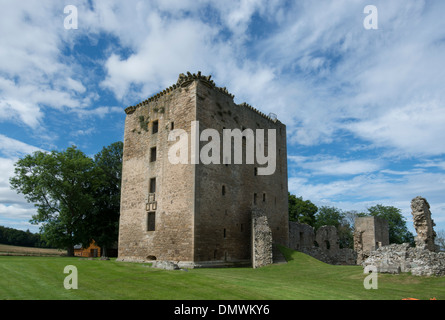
(301, 236)
(193, 213)
(370, 233)
(261, 240)
(397, 258)
(423, 224)
(423, 260)
(322, 244)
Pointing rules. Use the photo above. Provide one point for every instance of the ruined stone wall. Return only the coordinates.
(423, 224)
(321, 244)
(423, 260)
(396, 258)
(370, 233)
(261, 240)
(301, 235)
(327, 239)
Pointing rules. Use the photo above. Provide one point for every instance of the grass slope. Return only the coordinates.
(303, 277)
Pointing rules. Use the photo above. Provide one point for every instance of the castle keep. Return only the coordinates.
(194, 212)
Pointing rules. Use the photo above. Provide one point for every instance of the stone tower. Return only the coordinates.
(370, 234)
(183, 198)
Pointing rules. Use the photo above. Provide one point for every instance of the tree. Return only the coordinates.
(328, 216)
(440, 240)
(16, 237)
(398, 232)
(332, 216)
(104, 218)
(59, 184)
(351, 215)
(300, 210)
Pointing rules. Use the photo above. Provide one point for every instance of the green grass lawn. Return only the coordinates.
(301, 278)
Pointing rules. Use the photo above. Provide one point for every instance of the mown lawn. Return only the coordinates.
(35, 278)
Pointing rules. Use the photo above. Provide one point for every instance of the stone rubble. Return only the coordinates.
(396, 258)
(423, 260)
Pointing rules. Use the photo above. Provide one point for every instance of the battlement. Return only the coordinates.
(184, 80)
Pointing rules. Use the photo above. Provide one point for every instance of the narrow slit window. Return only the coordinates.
(264, 197)
(152, 185)
(254, 198)
(223, 190)
(153, 154)
(172, 126)
(151, 221)
(155, 127)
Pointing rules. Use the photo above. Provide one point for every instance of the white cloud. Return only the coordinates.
(367, 78)
(75, 85)
(317, 67)
(432, 164)
(17, 212)
(332, 166)
(13, 148)
(416, 129)
(100, 112)
(34, 72)
(13, 206)
(168, 46)
(20, 111)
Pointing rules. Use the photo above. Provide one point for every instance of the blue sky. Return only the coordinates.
(364, 109)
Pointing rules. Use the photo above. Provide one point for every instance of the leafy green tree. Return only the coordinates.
(60, 186)
(332, 216)
(104, 217)
(328, 216)
(301, 211)
(398, 232)
(16, 237)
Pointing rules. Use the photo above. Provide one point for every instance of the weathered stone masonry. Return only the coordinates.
(423, 224)
(423, 260)
(195, 214)
(370, 233)
(262, 252)
(321, 244)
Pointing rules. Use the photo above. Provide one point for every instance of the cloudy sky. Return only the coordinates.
(364, 108)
